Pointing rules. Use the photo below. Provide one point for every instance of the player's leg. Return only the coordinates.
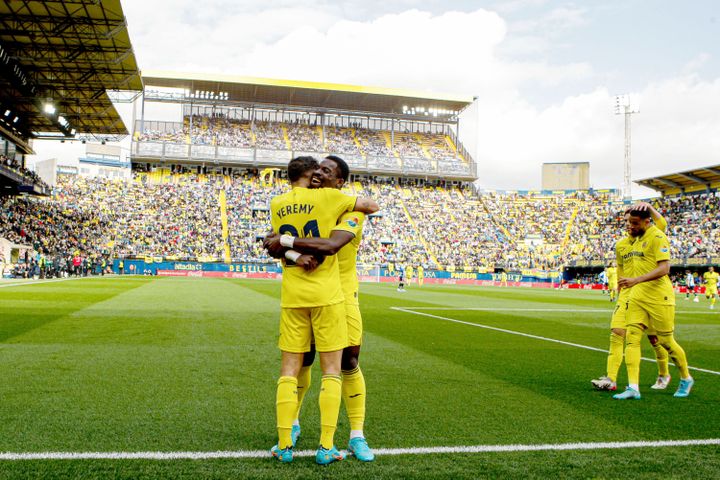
(696, 299)
(616, 350)
(662, 358)
(637, 321)
(713, 297)
(304, 379)
(353, 388)
(295, 333)
(663, 321)
(330, 330)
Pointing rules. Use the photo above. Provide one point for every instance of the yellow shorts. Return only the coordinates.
(709, 292)
(619, 314)
(656, 318)
(326, 325)
(354, 324)
(612, 286)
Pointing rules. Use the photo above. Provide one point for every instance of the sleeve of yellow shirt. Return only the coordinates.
(661, 223)
(351, 222)
(343, 203)
(661, 248)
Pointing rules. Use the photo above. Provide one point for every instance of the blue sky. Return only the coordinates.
(545, 71)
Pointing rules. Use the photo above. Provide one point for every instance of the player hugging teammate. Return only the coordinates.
(317, 231)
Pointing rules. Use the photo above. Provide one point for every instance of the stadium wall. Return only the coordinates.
(149, 266)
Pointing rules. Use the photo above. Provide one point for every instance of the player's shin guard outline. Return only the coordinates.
(286, 406)
(303, 384)
(354, 393)
(329, 400)
(676, 352)
(615, 355)
(633, 353)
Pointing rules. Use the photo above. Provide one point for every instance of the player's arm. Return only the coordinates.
(366, 205)
(657, 217)
(310, 245)
(662, 269)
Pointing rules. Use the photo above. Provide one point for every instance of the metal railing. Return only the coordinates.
(251, 156)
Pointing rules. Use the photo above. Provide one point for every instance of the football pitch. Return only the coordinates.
(146, 377)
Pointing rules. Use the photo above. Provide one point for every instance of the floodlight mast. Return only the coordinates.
(622, 106)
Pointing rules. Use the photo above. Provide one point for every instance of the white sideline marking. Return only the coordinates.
(562, 310)
(54, 280)
(379, 451)
(529, 335)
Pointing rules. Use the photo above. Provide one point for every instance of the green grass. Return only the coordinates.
(177, 364)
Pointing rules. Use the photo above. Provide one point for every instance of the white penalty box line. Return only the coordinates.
(252, 454)
(413, 311)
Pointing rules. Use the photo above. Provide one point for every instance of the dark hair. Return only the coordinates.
(640, 213)
(342, 166)
(299, 165)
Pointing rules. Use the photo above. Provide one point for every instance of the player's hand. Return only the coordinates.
(641, 206)
(272, 245)
(308, 262)
(627, 282)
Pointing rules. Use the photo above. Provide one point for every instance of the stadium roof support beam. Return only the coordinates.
(695, 178)
(716, 171)
(669, 183)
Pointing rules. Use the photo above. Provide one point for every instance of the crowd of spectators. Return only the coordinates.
(178, 216)
(381, 148)
(16, 166)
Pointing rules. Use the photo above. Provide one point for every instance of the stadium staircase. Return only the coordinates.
(423, 146)
(568, 229)
(288, 143)
(320, 135)
(406, 193)
(388, 143)
(499, 225)
(453, 148)
(357, 142)
(222, 200)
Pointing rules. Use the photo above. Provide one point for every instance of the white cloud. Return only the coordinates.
(475, 53)
(675, 130)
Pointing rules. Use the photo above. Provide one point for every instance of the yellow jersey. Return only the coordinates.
(347, 256)
(623, 247)
(304, 212)
(420, 272)
(710, 279)
(624, 263)
(649, 249)
(409, 272)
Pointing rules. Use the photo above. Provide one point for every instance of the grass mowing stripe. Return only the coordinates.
(529, 335)
(10, 456)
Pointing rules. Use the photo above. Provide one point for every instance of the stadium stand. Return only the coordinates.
(180, 216)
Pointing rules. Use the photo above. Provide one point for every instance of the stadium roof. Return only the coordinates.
(331, 96)
(695, 180)
(68, 54)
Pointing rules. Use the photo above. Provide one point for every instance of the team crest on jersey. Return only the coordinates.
(664, 250)
(644, 244)
(353, 222)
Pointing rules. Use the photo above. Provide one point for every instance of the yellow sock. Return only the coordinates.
(615, 355)
(662, 360)
(330, 393)
(676, 352)
(712, 300)
(633, 353)
(353, 392)
(303, 384)
(286, 405)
